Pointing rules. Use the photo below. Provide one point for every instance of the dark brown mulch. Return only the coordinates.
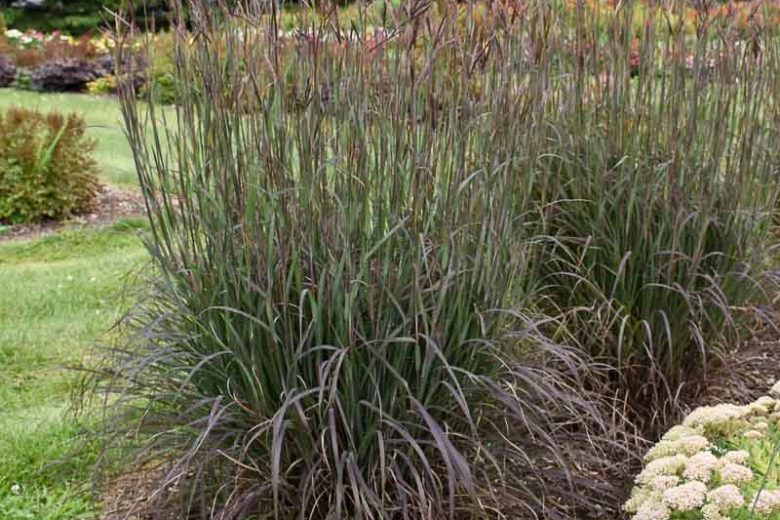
(747, 373)
(112, 204)
(125, 499)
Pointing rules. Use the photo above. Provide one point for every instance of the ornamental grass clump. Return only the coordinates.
(734, 475)
(661, 185)
(336, 327)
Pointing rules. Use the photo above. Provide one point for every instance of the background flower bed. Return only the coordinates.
(57, 62)
(75, 17)
(53, 62)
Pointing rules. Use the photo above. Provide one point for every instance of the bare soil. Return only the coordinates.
(748, 372)
(112, 204)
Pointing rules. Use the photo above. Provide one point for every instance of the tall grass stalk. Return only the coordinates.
(662, 184)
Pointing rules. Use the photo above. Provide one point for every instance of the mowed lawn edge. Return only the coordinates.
(60, 295)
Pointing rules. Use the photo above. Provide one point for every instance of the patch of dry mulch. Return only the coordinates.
(126, 497)
(112, 204)
(748, 372)
(139, 494)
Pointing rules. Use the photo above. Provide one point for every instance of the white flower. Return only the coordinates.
(16, 489)
(640, 496)
(662, 449)
(753, 435)
(718, 414)
(652, 510)
(663, 466)
(678, 432)
(757, 409)
(686, 445)
(775, 391)
(732, 473)
(711, 512)
(686, 497)
(767, 502)
(13, 33)
(633, 503)
(663, 482)
(736, 456)
(726, 497)
(700, 466)
(761, 426)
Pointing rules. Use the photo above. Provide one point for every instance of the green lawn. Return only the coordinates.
(103, 118)
(60, 294)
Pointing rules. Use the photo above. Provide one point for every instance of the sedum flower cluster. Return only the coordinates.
(698, 469)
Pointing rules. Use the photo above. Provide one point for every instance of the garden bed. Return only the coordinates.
(112, 204)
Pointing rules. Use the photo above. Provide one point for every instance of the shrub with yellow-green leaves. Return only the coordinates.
(721, 463)
(47, 171)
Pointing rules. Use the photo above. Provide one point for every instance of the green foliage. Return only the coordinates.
(78, 17)
(61, 294)
(103, 85)
(46, 167)
(160, 78)
(660, 209)
(22, 79)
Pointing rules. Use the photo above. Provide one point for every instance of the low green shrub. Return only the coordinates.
(722, 463)
(160, 78)
(46, 167)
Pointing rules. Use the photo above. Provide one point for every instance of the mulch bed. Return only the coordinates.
(126, 497)
(747, 373)
(112, 204)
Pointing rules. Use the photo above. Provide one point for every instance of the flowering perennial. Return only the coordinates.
(713, 465)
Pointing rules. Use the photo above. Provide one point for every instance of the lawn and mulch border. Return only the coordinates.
(111, 205)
